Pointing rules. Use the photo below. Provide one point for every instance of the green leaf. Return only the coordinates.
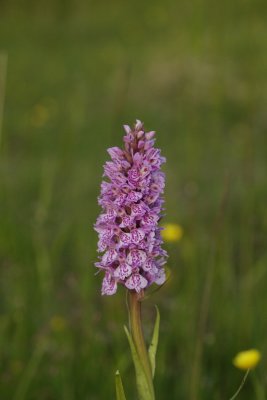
(120, 395)
(154, 343)
(143, 388)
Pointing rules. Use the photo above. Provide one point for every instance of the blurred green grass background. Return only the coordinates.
(196, 73)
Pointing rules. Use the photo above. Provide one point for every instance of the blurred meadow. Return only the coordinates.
(71, 73)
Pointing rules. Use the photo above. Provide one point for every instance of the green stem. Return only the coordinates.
(241, 385)
(134, 307)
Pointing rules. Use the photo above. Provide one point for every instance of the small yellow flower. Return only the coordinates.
(172, 232)
(57, 323)
(16, 367)
(247, 359)
(39, 115)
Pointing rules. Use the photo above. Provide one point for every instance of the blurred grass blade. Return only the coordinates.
(3, 71)
(30, 373)
(143, 388)
(120, 395)
(152, 351)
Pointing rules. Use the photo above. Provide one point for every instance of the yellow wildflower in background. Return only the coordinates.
(247, 359)
(16, 366)
(172, 232)
(57, 323)
(39, 115)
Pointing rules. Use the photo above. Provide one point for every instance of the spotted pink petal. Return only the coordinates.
(110, 215)
(109, 256)
(136, 258)
(109, 285)
(144, 171)
(160, 277)
(134, 196)
(118, 178)
(125, 238)
(149, 265)
(136, 282)
(102, 245)
(149, 220)
(106, 233)
(133, 175)
(142, 245)
(137, 235)
(123, 271)
(151, 198)
(138, 209)
(126, 221)
(120, 199)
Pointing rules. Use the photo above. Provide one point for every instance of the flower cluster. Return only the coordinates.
(131, 203)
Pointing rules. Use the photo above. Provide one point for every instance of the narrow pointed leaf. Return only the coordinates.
(143, 388)
(120, 395)
(152, 351)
